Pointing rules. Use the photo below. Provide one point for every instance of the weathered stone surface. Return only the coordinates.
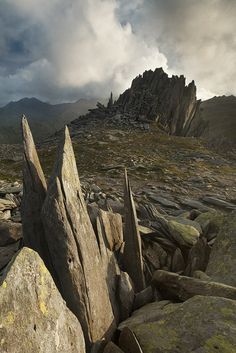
(10, 232)
(34, 317)
(183, 234)
(148, 313)
(211, 222)
(5, 215)
(142, 298)
(200, 325)
(109, 267)
(112, 228)
(34, 193)
(222, 263)
(219, 203)
(6, 205)
(198, 257)
(132, 259)
(128, 342)
(74, 248)
(126, 295)
(183, 288)
(178, 263)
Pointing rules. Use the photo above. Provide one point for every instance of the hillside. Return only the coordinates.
(216, 120)
(44, 118)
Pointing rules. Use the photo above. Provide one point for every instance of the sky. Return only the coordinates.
(64, 50)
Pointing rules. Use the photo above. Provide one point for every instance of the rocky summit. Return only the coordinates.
(117, 233)
(167, 100)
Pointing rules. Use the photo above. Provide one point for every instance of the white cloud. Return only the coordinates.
(64, 49)
(83, 44)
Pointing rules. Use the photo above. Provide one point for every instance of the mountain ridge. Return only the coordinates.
(45, 118)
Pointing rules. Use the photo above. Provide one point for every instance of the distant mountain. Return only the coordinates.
(44, 118)
(216, 120)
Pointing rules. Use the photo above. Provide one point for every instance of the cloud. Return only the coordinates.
(197, 37)
(62, 50)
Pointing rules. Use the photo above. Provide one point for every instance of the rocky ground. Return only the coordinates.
(164, 264)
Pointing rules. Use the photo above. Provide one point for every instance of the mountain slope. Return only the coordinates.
(216, 120)
(44, 118)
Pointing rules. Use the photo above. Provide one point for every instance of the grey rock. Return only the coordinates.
(177, 331)
(163, 201)
(112, 228)
(132, 258)
(183, 287)
(148, 313)
(112, 348)
(195, 204)
(35, 188)
(34, 317)
(219, 203)
(74, 248)
(144, 297)
(5, 215)
(198, 257)
(126, 295)
(10, 232)
(178, 263)
(6, 205)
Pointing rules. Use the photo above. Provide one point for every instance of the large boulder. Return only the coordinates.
(34, 317)
(200, 325)
(222, 263)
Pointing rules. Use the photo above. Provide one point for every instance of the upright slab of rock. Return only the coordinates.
(222, 263)
(34, 193)
(74, 248)
(132, 258)
(34, 317)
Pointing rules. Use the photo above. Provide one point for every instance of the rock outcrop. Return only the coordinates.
(155, 96)
(34, 317)
(74, 248)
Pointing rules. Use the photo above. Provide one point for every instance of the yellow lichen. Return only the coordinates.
(4, 285)
(42, 295)
(43, 268)
(2, 341)
(10, 318)
(220, 343)
(43, 308)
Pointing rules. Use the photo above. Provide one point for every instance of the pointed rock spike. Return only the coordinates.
(74, 249)
(132, 259)
(34, 193)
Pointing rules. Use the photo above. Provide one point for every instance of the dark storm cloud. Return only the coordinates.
(65, 49)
